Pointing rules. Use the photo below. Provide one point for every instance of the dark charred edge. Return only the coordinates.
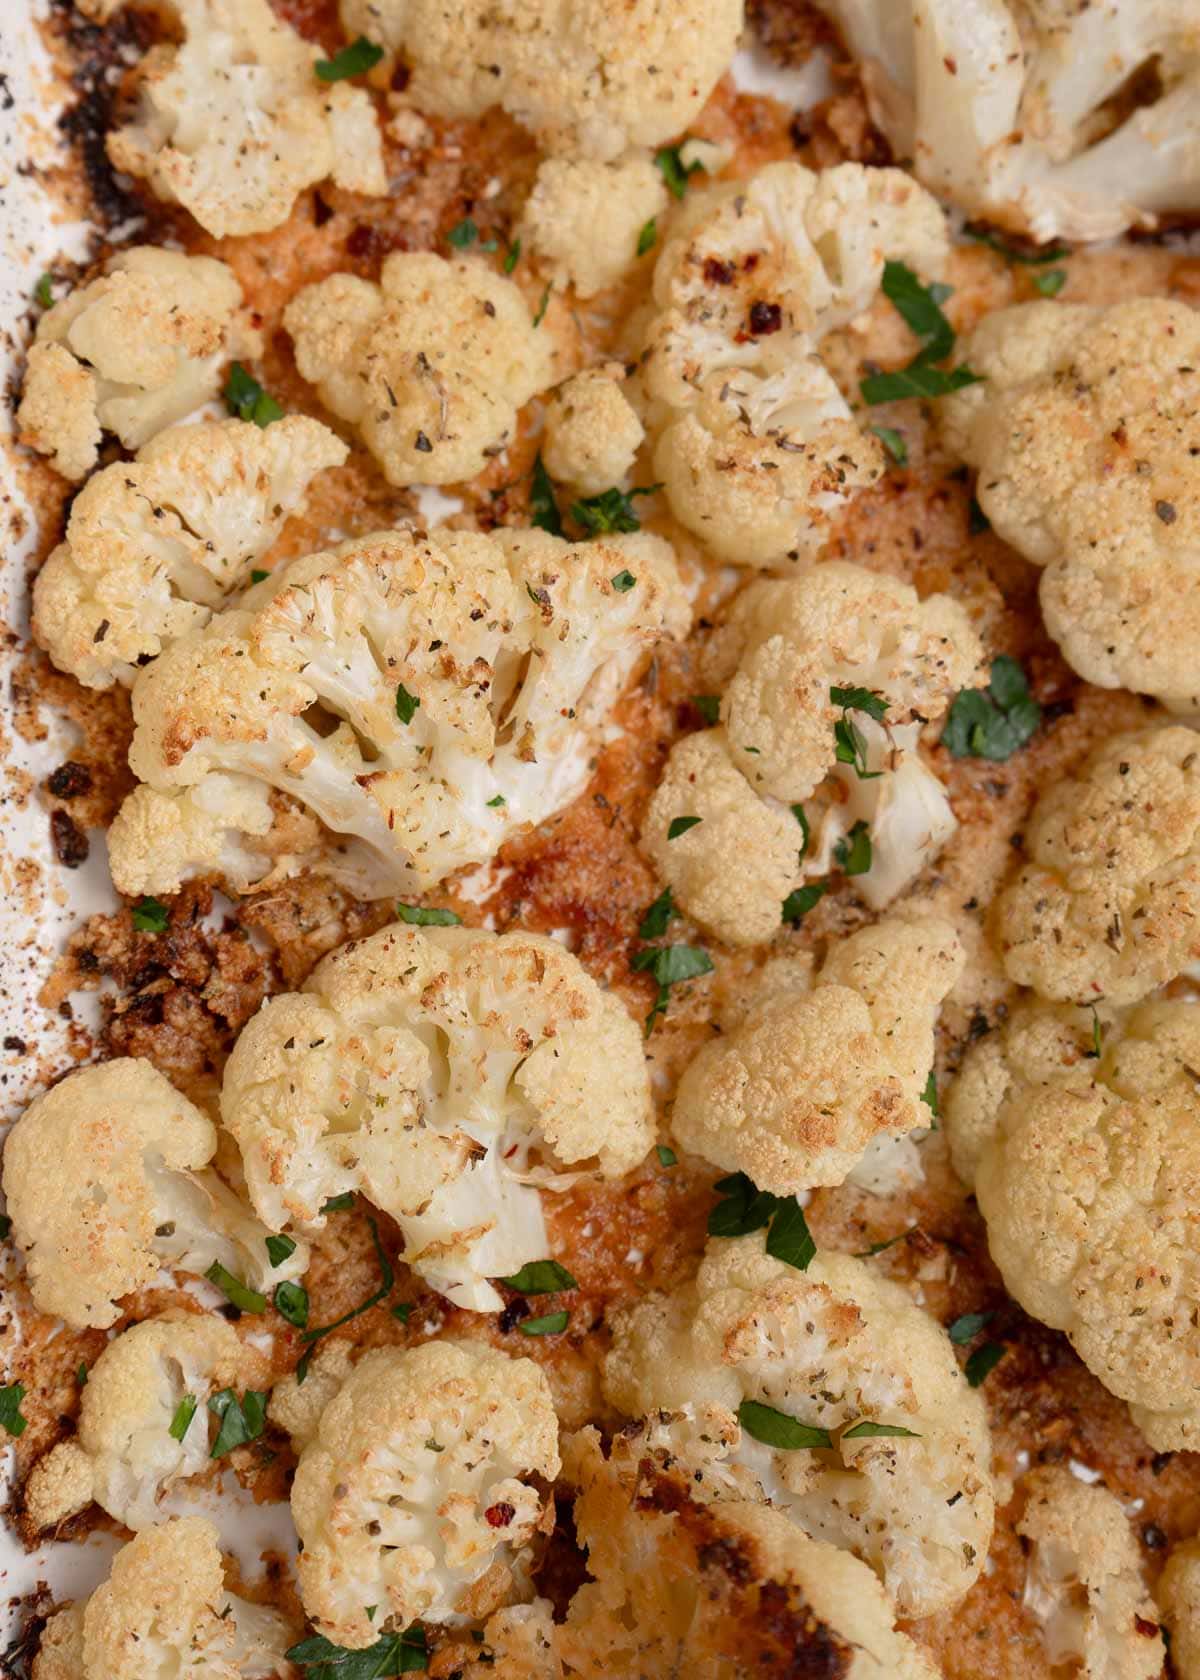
(99, 56)
(34, 1611)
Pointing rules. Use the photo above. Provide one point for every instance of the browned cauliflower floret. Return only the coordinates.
(1083, 428)
(442, 1072)
(775, 1370)
(107, 1180)
(1179, 1601)
(592, 432)
(235, 123)
(1108, 905)
(414, 1496)
(1087, 1170)
(432, 364)
(425, 696)
(131, 352)
(587, 77)
(1083, 1581)
(585, 221)
(826, 1072)
(165, 1610)
(153, 546)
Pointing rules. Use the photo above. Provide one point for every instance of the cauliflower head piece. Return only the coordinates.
(415, 1495)
(794, 656)
(831, 1347)
(829, 1070)
(443, 1072)
(1083, 1580)
(589, 79)
(432, 364)
(584, 220)
(1010, 109)
(755, 443)
(165, 1609)
(1086, 1168)
(1178, 1595)
(107, 1180)
(234, 123)
(154, 546)
(424, 696)
(129, 353)
(1083, 427)
(592, 432)
(128, 1450)
(1108, 905)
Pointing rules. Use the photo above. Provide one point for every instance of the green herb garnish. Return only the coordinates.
(779, 1429)
(542, 307)
(680, 825)
(893, 442)
(279, 1249)
(149, 916)
(10, 1409)
(543, 506)
(463, 233)
(359, 56)
(427, 915)
(387, 1281)
(242, 1296)
(43, 292)
(709, 707)
(406, 704)
(1051, 282)
(241, 1420)
(395, 1653)
(983, 1362)
(744, 1208)
(853, 851)
(513, 256)
(967, 1326)
(674, 171)
(995, 721)
(666, 1156)
(669, 965)
(551, 1325)
(611, 510)
(246, 399)
(184, 1413)
(920, 306)
(929, 1096)
(658, 917)
(866, 1428)
(797, 904)
(540, 1277)
(648, 237)
(291, 1303)
(919, 380)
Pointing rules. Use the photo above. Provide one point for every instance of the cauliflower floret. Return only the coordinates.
(1018, 110)
(427, 695)
(831, 1347)
(584, 220)
(755, 443)
(414, 1494)
(165, 1610)
(592, 432)
(588, 78)
(131, 352)
(1179, 1601)
(296, 1405)
(234, 124)
(1108, 905)
(106, 1179)
(154, 546)
(432, 364)
(1086, 1168)
(788, 647)
(1083, 429)
(1083, 1581)
(440, 1071)
(125, 1455)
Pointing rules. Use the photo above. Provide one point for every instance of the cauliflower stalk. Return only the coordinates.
(443, 1072)
(130, 352)
(414, 1495)
(755, 1346)
(107, 1180)
(755, 443)
(153, 547)
(424, 696)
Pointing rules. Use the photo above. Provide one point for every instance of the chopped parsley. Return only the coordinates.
(917, 380)
(805, 831)
(10, 1409)
(983, 1362)
(929, 1096)
(967, 1326)
(184, 1413)
(543, 506)
(860, 700)
(866, 1428)
(241, 1420)
(427, 915)
(1051, 282)
(279, 1249)
(551, 1325)
(495, 803)
(1011, 253)
(780, 1429)
(395, 1653)
(361, 55)
(797, 904)
(246, 399)
(540, 1277)
(339, 1204)
(995, 721)
(257, 575)
(789, 1238)
(745, 1208)
(513, 256)
(680, 825)
(406, 704)
(850, 744)
(463, 233)
(658, 917)
(669, 965)
(709, 707)
(611, 510)
(291, 1303)
(149, 916)
(403, 1311)
(81, 1374)
(893, 442)
(387, 1282)
(921, 308)
(674, 171)
(648, 237)
(43, 292)
(666, 1156)
(853, 850)
(242, 1296)
(623, 582)
(542, 307)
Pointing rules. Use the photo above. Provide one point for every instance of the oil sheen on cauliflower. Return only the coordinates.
(1014, 109)
(424, 696)
(1087, 1171)
(432, 364)
(785, 651)
(130, 352)
(234, 123)
(755, 443)
(153, 546)
(831, 1347)
(442, 1072)
(1083, 427)
(107, 1180)
(414, 1495)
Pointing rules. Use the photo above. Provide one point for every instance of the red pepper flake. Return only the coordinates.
(1148, 1630)
(718, 273)
(500, 1515)
(765, 318)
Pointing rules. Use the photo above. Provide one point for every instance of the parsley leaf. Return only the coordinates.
(339, 1204)
(920, 307)
(551, 1325)
(184, 1413)
(669, 964)
(249, 1300)
(10, 1409)
(658, 917)
(993, 722)
(542, 307)
(745, 1208)
(43, 292)
(241, 1420)
(149, 916)
(860, 700)
(403, 1311)
(967, 1326)
(779, 1429)
(929, 1096)
(983, 1362)
(258, 575)
(406, 704)
(805, 830)
(1011, 253)
(789, 1238)
(866, 1428)
(623, 582)
(246, 399)
(427, 915)
(674, 171)
(853, 850)
(797, 904)
(893, 442)
(540, 1277)
(543, 508)
(611, 510)
(680, 825)
(666, 1156)
(513, 257)
(359, 56)
(291, 1303)
(709, 707)
(387, 1281)
(279, 1249)
(919, 380)
(463, 233)
(648, 237)
(850, 744)
(395, 1653)
(1051, 282)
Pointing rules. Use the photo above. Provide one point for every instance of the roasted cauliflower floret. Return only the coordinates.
(1179, 1601)
(414, 1495)
(164, 1609)
(234, 123)
(424, 696)
(592, 433)
(432, 364)
(154, 546)
(794, 657)
(1086, 1168)
(826, 1069)
(131, 352)
(1083, 1580)
(133, 1441)
(589, 79)
(1108, 905)
(106, 1179)
(755, 443)
(585, 221)
(442, 1072)
(1083, 428)
(1004, 107)
(832, 1347)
